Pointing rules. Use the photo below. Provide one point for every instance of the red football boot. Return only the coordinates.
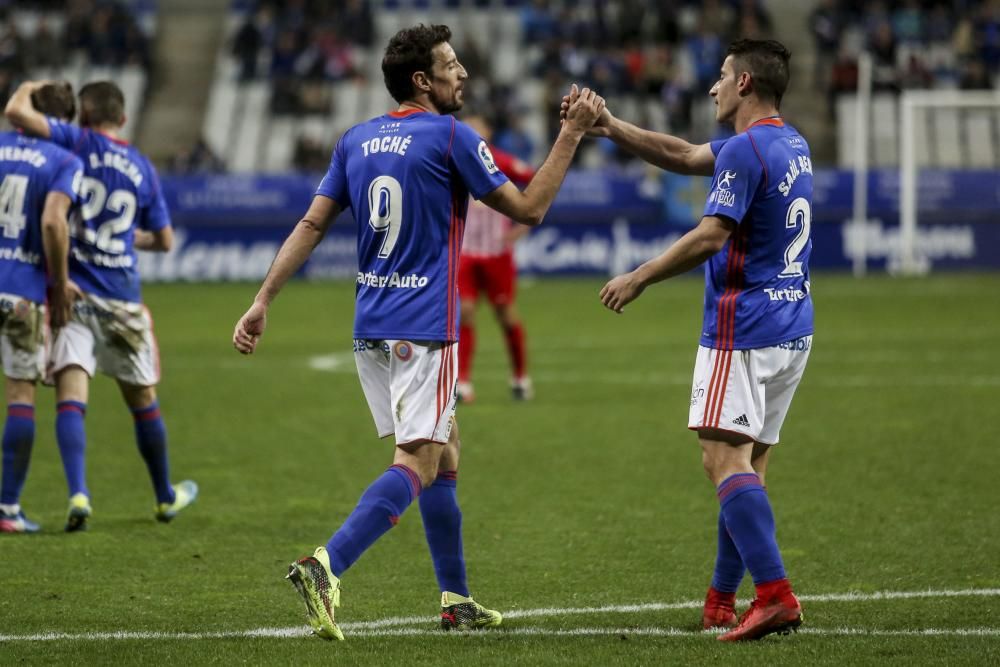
(779, 614)
(719, 611)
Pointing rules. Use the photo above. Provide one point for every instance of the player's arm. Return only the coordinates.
(22, 114)
(161, 240)
(55, 242)
(530, 206)
(663, 150)
(691, 250)
(291, 256)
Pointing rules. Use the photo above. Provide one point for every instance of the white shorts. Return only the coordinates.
(747, 391)
(115, 337)
(23, 338)
(410, 387)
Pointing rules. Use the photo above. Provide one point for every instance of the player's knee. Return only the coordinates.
(138, 397)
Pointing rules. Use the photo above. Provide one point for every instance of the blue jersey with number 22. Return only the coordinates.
(120, 192)
(757, 286)
(407, 177)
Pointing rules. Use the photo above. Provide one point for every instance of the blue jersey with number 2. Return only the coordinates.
(757, 286)
(120, 193)
(407, 177)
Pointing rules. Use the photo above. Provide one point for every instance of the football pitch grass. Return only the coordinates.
(588, 519)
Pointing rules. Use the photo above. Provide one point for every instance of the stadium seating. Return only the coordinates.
(77, 66)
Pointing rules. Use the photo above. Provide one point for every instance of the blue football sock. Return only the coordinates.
(748, 517)
(72, 439)
(443, 527)
(379, 509)
(729, 566)
(18, 438)
(151, 437)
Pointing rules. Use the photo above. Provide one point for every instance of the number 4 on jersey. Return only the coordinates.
(12, 192)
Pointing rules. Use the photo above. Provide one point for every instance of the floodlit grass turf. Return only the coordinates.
(591, 495)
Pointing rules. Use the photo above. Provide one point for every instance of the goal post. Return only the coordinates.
(911, 262)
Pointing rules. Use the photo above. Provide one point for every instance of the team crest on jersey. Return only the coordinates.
(22, 309)
(487, 157)
(403, 350)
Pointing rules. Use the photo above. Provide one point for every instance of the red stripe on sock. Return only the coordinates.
(70, 408)
(147, 416)
(413, 477)
(735, 483)
(22, 411)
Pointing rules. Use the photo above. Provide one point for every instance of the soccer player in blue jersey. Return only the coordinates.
(758, 322)
(122, 209)
(407, 176)
(38, 184)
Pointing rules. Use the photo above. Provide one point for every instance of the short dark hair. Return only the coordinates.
(55, 99)
(102, 102)
(409, 51)
(767, 62)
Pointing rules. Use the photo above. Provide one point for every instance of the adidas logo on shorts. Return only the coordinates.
(742, 421)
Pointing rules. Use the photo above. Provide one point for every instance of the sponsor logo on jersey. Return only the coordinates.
(786, 294)
(17, 254)
(411, 281)
(403, 350)
(797, 345)
(487, 157)
(726, 179)
(725, 198)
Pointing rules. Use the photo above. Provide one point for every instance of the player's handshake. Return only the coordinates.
(581, 109)
(600, 126)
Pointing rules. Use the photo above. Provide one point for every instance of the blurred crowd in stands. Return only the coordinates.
(913, 44)
(300, 45)
(100, 33)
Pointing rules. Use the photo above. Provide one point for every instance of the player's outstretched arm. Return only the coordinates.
(290, 258)
(530, 206)
(22, 114)
(708, 238)
(55, 242)
(663, 150)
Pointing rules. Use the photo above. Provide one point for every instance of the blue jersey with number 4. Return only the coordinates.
(757, 286)
(29, 170)
(120, 193)
(407, 177)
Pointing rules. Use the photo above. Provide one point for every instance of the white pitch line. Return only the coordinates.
(395, 626)
(295, 633)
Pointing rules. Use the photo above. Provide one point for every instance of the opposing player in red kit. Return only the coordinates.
(487, 267)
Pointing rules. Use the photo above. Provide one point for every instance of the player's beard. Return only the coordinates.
(446, 106)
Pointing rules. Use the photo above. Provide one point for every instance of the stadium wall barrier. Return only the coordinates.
(602, 223)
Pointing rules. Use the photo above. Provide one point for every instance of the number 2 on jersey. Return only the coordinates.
(799, 212)
(12, 192)
(385, 202)
(95, 199)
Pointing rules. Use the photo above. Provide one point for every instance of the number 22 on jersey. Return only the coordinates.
(95, 200)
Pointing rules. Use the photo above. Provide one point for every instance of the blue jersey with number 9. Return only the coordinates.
(120, 193)
(757, 286)
(407, 177)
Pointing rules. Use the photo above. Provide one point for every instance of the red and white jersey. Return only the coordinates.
(486, 230)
